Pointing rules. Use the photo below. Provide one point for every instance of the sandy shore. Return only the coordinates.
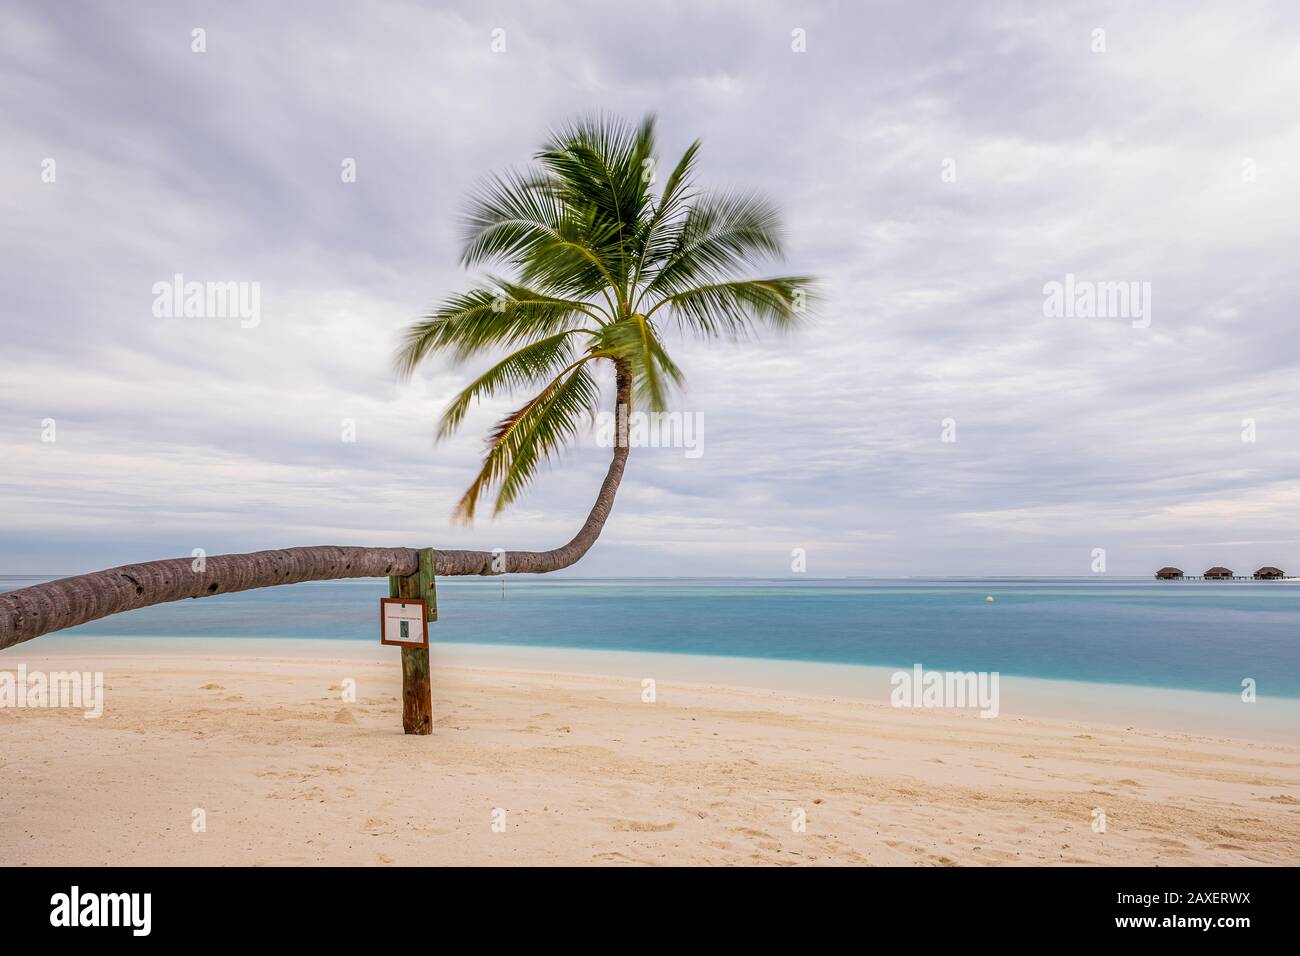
(257, 736)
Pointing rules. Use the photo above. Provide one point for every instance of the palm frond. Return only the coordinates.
(539, 362)
(599, 165)
(718, 238)
(733, 309)
(507, 215)
(590, 249)
(483, 319)
(656, 240)
(530, 436)
(634, 343)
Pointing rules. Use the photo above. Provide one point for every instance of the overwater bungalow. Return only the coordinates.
(1268, 574)
(1218, 574)
(1169, 574)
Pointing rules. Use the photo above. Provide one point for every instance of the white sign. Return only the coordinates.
(403, 622)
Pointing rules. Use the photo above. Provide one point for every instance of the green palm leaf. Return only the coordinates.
(593, 251)
(636, 345)
(719, 238)
(530, 436)
(531, 365)
(471, 323)
(731, 308)
(658, 237)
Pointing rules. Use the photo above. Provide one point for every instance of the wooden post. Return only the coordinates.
(417, 694)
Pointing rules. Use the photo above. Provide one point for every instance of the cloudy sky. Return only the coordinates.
(937, 166)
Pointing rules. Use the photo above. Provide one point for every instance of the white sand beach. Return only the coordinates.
(559, 750)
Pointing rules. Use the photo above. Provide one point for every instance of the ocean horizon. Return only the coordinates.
(1200, 636)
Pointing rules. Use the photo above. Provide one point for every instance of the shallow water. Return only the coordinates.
(1186, 635)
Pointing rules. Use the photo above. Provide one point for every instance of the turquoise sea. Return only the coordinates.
(1186, 635)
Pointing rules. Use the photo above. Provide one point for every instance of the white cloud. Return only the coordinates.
(1072, 434)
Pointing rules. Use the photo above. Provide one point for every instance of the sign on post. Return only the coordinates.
(403, 622)
(419, 595)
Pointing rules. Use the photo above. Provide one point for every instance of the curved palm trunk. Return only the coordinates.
(67, 602)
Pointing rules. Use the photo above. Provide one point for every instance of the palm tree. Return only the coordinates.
(601, 265)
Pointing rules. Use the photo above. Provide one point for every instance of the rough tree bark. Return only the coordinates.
(67, 602)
